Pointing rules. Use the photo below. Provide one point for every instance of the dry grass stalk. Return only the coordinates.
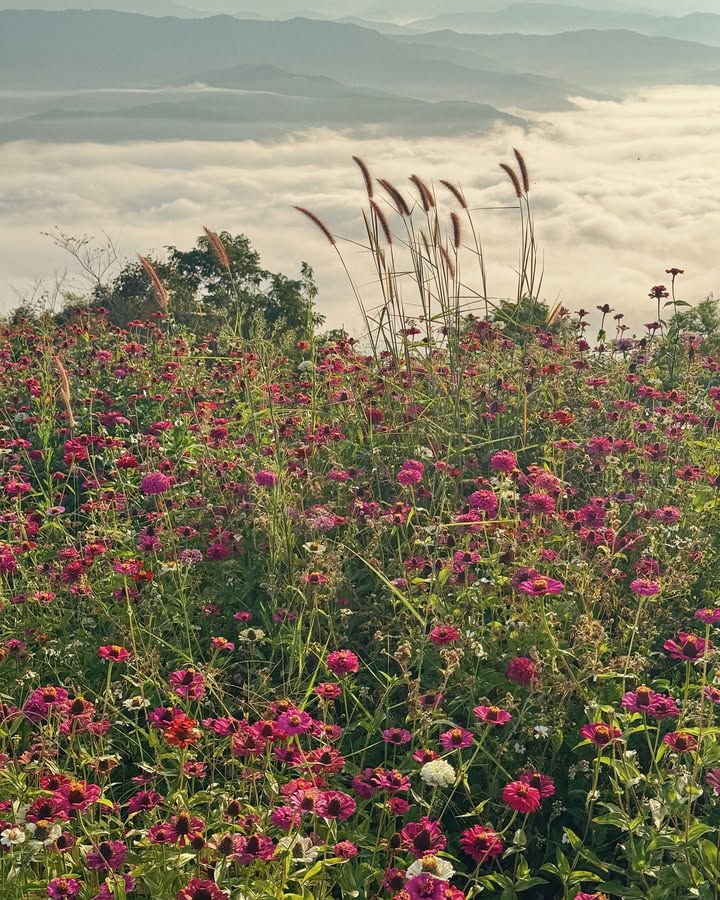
(64, 388)
(367, 178)
(161, 295)
(318, 222)
(218, 248)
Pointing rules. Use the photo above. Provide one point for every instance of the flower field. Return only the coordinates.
(313, 622)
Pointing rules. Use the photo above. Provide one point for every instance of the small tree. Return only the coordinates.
(219, 281)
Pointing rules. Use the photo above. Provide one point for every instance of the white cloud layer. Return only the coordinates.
(621, 192)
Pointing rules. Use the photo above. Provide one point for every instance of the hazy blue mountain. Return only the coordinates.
(146, 7)
(235, 116)
(602, 59)
(551, 18)
(102, 49)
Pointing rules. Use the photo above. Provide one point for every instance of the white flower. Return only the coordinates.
(307, 365)
(249, 635)
(518, 747)
(438, 773)
(12, 836)
(301, 848)
(541, 731)
(136, 702)
(433, 865)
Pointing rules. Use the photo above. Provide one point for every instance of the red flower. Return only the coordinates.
(444, 634)
(200, 889)
(690, 647)
(481, 843)
(542, 783)
(680, 741)
(493, 715)
(600, 733)
(420, 838)
(522, 670)
(343, 662)
(114, 653)
(521, 797)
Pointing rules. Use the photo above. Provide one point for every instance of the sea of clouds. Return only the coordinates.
(621, 191)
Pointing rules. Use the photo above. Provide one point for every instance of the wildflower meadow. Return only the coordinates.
(432, 613)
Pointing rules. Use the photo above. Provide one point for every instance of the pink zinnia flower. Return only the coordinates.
(155, 483)
(345, 850)
(108, 855)
(680, 741)
(425, 887)
(396, 736)
(599, 733)
(114, 652)
(420, 838)
(713, 780)
(188, 683)
(456, 739)
(201, 889)
(63, 888)
(540, 586)
(343, 662)
(444, 634)
(522, 670)
(493, 715)
(335, 805)
(542, 783)
(503, 461)
(690, 647)
(295, 721)
(709, 616)
(265, 478)
(481, 843)
(521, 797)
(644, 587)
(78, 794)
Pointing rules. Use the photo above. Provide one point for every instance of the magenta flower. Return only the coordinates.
(114, 653)
(680, 741)
(345, 850)
(503, 461)
(295, 721)
(481, 843)
(542, 783)
(420, 838)
(713, 780)
(343, 662)
(522, 670)
(485, 501)
(265, 478)
(540, 586)
(709, 616)
(107, 888)
(493, 715)
(188, 683)
(155, 483)
(425, 887)
(108, 855)
(441, 635)
(396, 736)
(456, 739)
(335, 805)
(600, 734)
(201, 889)
(644, 587)
(521, 797)
(63, 888)
(689, 647)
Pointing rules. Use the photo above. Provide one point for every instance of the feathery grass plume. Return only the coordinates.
(448, 261)
(426, 245)
(317, 221)
(456, 229)
(523, 170)
(380, 215)
(64, 388)
(455, 191)
(161, 295)
(367, 178)
(426, 197)
(397, 198)
(512, 175)
(217, 247)
(555, 314)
